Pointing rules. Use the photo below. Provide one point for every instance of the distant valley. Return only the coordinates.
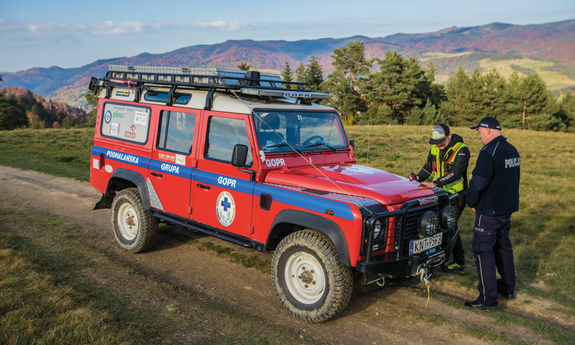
(547, 49)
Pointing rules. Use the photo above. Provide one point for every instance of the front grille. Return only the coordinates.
(387, 242)
(411, 231)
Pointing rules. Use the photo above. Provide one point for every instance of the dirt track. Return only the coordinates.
(393, 314)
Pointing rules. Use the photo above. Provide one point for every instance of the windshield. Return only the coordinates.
(301, 130)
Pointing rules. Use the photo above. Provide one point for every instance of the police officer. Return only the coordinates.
(494, 195)
(448, 159)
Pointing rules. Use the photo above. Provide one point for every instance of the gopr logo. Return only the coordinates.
(226, 181)
(225, 209)
(108, 116)
(170, 168)
(277, 162)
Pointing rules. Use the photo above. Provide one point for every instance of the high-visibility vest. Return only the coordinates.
(448, 158)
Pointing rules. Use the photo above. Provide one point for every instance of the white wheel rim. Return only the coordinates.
(128, 221)
(305, 278)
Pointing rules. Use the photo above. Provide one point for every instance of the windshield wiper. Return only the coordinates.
(281, 146)
(321, 143)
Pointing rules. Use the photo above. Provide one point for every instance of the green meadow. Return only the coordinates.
(543, 231)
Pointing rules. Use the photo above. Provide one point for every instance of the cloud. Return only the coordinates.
(227, 26)
(40, 30)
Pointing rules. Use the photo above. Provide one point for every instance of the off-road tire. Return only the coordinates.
(296, 290)
(135, 229)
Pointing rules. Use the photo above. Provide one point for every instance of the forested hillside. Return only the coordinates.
(21, 108)
(398, 90)
(482, 47)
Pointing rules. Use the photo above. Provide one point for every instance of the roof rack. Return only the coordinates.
(247, 82)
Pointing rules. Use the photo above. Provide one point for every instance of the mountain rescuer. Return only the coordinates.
(448, 159)
(493, 195)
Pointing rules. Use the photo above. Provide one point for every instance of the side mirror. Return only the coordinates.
(352, 143)
(239, 155)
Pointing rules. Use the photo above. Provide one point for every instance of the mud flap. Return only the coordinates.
(105, 202)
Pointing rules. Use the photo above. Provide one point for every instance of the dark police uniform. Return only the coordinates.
(494, 193)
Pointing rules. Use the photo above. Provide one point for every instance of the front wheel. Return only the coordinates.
(135, 229)
(308, 278)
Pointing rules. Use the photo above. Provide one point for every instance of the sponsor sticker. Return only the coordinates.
(109, 169)
(181, 159)
(122, 93)
(115, 129)
(130, 135)
(117, 115)
(427, 201)
(168, 157)
(95, 163)
(108, 116)
(225, 209)
(141, 118)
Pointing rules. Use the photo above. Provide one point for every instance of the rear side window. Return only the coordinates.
(223, 135)
(156, 96)
(176, 131)
(126, 122)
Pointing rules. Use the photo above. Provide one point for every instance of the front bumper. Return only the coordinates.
(404, 266)
(396, 260)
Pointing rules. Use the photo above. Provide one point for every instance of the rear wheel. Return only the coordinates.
(135, 229)
(308, 278)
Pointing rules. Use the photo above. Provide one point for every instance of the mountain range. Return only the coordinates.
(450, 48)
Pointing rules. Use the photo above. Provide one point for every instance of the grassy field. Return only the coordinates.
(542, 231)
(554, 80)
(57, 287)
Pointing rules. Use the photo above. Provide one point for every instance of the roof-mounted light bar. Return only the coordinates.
(247, 82)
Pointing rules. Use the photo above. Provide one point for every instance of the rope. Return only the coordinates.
(302, 156)
(377, 136)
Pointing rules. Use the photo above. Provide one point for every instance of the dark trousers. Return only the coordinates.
(492, 249)
(457, 255)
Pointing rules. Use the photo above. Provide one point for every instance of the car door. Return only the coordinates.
(223, 194)
(173, 162)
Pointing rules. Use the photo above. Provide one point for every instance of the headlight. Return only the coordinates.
(449, 218)
(428, 224)
(377, 230)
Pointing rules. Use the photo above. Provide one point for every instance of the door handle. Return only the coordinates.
(156, 174)
(203, 186)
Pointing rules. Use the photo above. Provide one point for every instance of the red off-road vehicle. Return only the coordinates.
(242, 157)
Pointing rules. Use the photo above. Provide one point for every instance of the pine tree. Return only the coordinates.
(243, 66)
(314, 74)
(344, 83)
(495, 91)
(287, 75)
(458, 107)
(532, 95)
(300, 73)
(12, 114)
(393, 91)
(567, 112)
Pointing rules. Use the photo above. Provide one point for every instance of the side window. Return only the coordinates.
(223, 135)
(126, 122)
(176, 131)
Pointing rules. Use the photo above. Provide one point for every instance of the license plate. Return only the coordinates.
(425, 243)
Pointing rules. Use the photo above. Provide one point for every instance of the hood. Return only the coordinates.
(357, 180)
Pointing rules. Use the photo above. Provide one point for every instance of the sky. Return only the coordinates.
(73, 33)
